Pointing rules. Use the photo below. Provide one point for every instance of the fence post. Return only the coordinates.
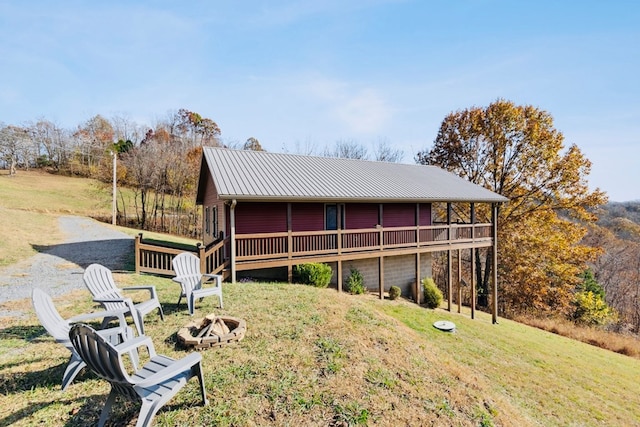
(203, 258)
(136, 247)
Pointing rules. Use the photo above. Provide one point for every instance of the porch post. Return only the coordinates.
(138, 241)
(339, 273)
(473, 221)
(449, 260)
(232, 235)
(417, 286)
(473, 262)
(459, 280)
(289, 244)
(202, 257)
(449, 280)
(381, 278)
(494, 249)
(417, 224)
(473, 283)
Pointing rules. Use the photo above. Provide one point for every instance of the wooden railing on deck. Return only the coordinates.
(156, 259)
(263, 246)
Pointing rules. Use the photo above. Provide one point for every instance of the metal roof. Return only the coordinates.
(261, 175)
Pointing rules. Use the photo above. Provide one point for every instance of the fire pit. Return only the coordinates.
(212, 331)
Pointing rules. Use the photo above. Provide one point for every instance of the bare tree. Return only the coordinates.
(14, 147)
(52, 142)
(347, 149)
(384, 152)
(305, 148)
(252, 144)
(125, 129)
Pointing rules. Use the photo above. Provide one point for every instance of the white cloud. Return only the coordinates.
(363, 112)
(359, 110)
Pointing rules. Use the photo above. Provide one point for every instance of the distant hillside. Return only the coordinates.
(622, 219)
(617, 269)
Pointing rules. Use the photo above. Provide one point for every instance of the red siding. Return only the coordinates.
(307, 216)
(361, 215)
(261, 217)
(425, 214)
(272, 217)
(399, 215)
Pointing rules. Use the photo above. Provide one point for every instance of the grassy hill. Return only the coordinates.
(316, 357)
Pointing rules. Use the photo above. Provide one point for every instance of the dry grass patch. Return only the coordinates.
(48, 193)
(34, 229)
(628, 345)
(30, 202)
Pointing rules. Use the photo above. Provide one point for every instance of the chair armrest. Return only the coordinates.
(124, 333)
(119, 313)
(216, 277)
(124, 300)
(150, 288)
(179, 279)
(134, 343)
(180, 365)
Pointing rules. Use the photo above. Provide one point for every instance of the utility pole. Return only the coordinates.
(114, 205)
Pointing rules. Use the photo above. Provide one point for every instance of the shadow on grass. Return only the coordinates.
(172, 307)
(27, 333)
(85, 411)
(115, 254)
(24, 381)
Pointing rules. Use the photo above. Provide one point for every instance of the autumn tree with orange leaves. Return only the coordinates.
(515, 151)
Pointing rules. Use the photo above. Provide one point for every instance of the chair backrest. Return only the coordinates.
(101, 357)
(49, 316)
(187, 266)
(100, 283)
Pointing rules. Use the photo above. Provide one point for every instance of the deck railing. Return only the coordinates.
(156, 259)
(261, 246)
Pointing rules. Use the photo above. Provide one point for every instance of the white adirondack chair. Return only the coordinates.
(100, 283)
(154, 384)
(59, 328)
(187, 268)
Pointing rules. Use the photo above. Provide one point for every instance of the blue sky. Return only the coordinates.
(297, 74)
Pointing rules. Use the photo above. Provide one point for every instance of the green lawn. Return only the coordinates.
(316, 357)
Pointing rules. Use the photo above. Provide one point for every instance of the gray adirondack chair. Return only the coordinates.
(154, 384)
(59, 328)
(187, 268)
(99, 280)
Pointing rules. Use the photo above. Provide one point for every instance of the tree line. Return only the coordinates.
(553, 258)
(159, 163)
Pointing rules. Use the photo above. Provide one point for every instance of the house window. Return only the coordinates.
(334, 216)
(214, 221)
(207, 228)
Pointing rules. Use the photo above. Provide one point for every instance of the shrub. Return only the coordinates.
(314, 274)
(432, 295)
(355, 283)
(591, 309)
(394, 292)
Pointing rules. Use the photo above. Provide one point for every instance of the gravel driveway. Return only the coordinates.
(58, 269)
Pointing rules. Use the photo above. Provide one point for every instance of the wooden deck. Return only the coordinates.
(265, 250)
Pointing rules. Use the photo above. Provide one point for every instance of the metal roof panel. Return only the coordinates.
(256, 175)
